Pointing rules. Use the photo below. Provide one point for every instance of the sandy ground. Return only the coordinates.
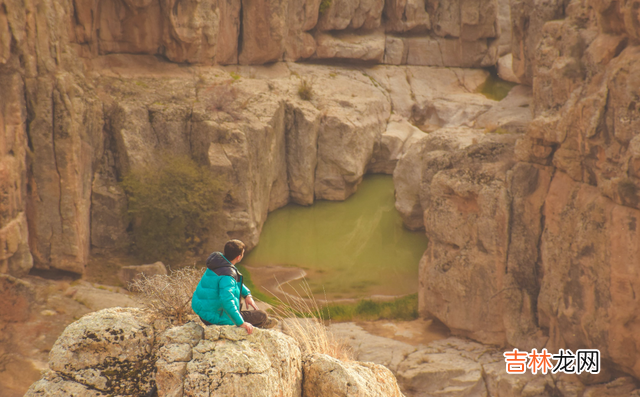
(416, 332)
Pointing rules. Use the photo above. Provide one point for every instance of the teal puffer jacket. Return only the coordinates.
(217, 297)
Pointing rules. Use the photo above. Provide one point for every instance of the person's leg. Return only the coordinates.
(257, 318)
(205, 322)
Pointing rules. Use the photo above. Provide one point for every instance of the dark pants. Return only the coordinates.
(254, 317)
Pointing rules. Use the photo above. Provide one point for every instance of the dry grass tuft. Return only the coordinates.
(305, 89)
(302, 319)
(169, 297)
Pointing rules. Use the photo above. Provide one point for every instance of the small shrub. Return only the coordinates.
(171, 205)
(235, 76)
(168, 296)
(305, 89)
(324, 6)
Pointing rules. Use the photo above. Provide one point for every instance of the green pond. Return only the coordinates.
(356, 248)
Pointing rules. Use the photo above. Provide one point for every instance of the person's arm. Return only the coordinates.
(245, 291)
(250, 302)
(227, 286)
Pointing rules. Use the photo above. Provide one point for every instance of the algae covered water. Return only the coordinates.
(351, 249)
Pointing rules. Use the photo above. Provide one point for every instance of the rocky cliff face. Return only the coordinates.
(77, 113)
(416, 32)
(535, 244)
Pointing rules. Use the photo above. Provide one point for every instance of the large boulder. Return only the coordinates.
(372, 348)
(227, 361)
(110, 352)
(394, 143)
(420, 162)
(512, 114)
(129, 274)
(327, 376)
(352, 123)
(127, 352)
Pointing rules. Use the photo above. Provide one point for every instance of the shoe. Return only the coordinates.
(270, 323)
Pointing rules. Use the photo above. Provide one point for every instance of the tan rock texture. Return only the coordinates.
(109, 352)
(15, 257)
(126, 352)
(129, 274)
(327, 376)
(527, 19)
(539, 238)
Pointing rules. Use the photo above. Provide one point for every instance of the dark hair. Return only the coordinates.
(233, 249)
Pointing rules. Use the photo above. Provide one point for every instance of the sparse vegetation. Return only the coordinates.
(169, 296)
(324, 6)
(305, 89)
(402, 309)
(171, 205)
(142, 84)
(235, 76)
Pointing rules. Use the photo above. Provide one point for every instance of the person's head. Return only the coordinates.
(234, 251)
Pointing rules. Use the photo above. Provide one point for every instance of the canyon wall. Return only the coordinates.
(91, 90)
(417, 32)
(533, 237)
(537, 245)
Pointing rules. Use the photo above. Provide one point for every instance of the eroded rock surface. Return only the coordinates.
(110, 352)
(327, 376)
(545, 227)
(126, 352)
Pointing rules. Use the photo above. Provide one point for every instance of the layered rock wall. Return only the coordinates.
(542, 251)
(71, 130)
(418, 32)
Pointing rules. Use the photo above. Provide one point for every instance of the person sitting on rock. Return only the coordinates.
(217, 297)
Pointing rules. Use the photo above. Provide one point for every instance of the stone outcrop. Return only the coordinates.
(257, 32)
(108, 352)
(512, 114)
(527, 20)
(129, 274)
(327, 376)
(459, 367)
(531, 245)
(79, 114)
(126, 352)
